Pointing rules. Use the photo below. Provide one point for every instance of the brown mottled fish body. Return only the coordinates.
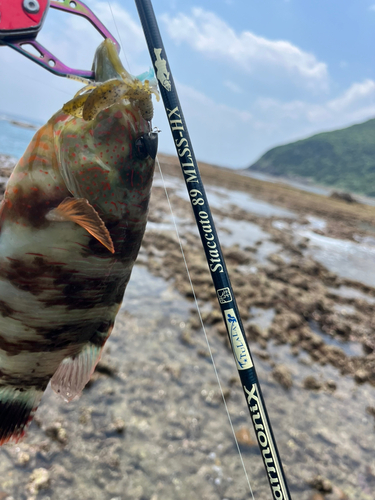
(72, 221)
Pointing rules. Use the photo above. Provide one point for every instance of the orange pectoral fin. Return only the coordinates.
(80, 211)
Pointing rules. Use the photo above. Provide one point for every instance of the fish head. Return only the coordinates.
(103, 139)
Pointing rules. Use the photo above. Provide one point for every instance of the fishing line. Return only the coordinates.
(118, 32)
(204, 329)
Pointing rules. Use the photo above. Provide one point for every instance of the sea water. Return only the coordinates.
(14, 139)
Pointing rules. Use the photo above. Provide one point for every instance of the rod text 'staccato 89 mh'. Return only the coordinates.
(211, 245)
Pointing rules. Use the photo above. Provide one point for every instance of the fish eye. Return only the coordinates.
(146, 145)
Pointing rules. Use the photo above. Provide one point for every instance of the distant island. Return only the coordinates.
(343, 159)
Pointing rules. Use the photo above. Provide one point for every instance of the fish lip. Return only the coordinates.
(147, 145)
(151, 141)
(107, 64)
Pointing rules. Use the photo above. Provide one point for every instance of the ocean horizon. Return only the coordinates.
(14, 139)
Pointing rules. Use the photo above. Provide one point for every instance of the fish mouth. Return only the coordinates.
(113, 85)
(107, 64)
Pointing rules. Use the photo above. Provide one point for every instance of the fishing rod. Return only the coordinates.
(215, 258)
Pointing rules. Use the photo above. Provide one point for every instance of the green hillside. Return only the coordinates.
(343, 159)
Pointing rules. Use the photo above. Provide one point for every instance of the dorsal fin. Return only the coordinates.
(80, 211)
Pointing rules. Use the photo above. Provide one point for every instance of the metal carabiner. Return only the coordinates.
(20, 24)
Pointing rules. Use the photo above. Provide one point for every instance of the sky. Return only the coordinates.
(250, 74)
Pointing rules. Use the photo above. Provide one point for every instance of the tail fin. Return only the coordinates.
(17, 408)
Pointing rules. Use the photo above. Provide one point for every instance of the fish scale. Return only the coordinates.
(72, 221)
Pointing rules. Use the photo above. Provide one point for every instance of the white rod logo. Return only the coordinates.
(162, 74)
(265, 441)
(240, 351)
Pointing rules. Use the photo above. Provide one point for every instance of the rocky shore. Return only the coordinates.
(303, 293)
(151, 424)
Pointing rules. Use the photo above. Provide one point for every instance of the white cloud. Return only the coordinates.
(213, 109)
(357, 95)
(217, 130)
(227, 136)
(233, 86)
(357, 103)
(210, 35)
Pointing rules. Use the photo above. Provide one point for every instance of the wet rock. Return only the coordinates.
(317, 496)
(371, 410)
(334, 355)
(333, 321)
(295, 348)
(244, 437)
(303, 244)
(113, 460)
(212, 317)
(315, 341)
(331, 385)
(237, 255)
(276, 259)
(85, 416)
(312, 383)
(106, 367)
(369, 346)
(342, 196)
(212, 397)
(39, 480)
(175, 434)
(203, 353)
(134, 493)
(118, 425)
(261, 354)
(57, 432)
(173, 369)
(187, 337)
(60, 473)
(288, 320)
(361, 376)
(321, 484)
(234, 380)
(7, 163)
(283, 376)
(226, 393)
(221, 330)
(23, 458)
(337, 494)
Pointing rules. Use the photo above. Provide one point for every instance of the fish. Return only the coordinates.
(71, 225)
